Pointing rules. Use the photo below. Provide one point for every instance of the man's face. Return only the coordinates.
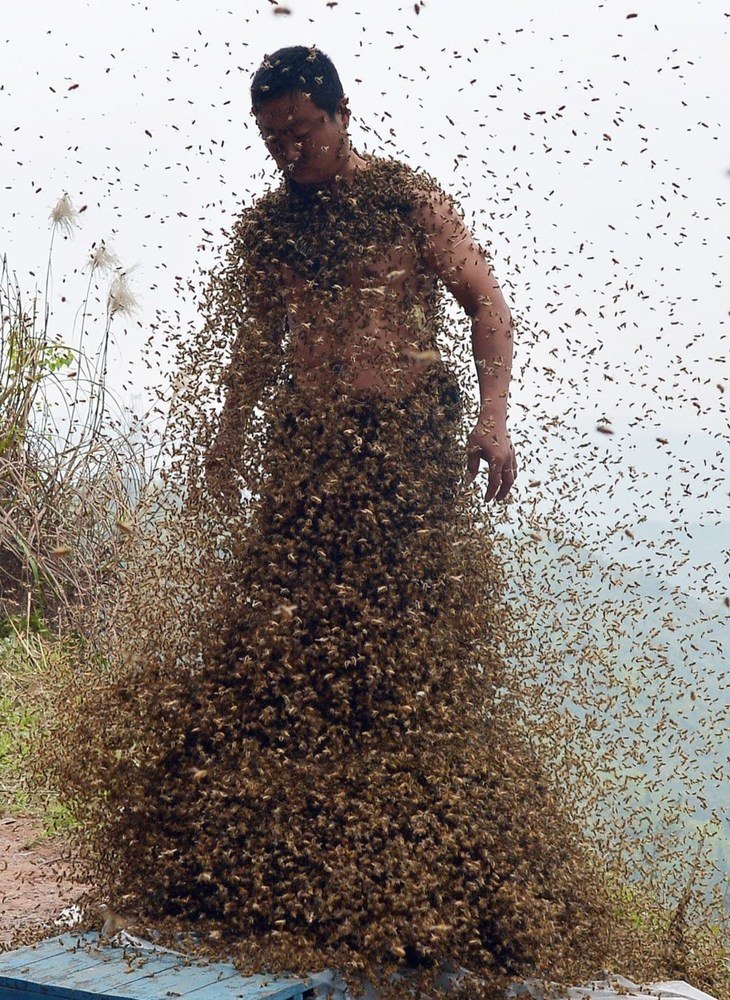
(307, 145)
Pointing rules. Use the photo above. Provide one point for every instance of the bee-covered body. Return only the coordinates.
(334, 773)
(344, 271)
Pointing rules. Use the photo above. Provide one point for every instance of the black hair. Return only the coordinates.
(298, 68)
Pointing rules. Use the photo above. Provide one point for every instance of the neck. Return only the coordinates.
(352, 164)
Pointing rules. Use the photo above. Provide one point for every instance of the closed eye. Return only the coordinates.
(274, 139)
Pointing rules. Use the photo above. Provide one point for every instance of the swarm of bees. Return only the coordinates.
(315, 743)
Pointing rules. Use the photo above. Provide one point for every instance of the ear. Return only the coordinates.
(343, 110)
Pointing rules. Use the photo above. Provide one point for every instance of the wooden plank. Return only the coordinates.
(92, 971)
(108, 977)
(233, 991)
(38, 970)
(68, 963)
(79, 968)
(253, 988)
(24, 990)
(201, 980)
(157, 980)
(127, 978)
(59, 975)
(180, 980)
(33, 953)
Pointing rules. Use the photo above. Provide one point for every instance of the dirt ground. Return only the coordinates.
(35, 882)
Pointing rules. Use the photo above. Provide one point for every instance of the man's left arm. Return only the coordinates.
(459, 262)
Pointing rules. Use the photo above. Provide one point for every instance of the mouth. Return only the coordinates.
(299, 173)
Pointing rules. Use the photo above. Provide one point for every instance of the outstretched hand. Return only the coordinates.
(492, 444)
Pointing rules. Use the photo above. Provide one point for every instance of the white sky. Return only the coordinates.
(591, 151)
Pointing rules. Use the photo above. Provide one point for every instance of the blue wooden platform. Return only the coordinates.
(79, 967)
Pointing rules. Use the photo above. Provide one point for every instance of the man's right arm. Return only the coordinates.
(253, 367)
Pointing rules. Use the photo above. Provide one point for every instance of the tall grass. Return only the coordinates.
(28, 657)
(70, 464)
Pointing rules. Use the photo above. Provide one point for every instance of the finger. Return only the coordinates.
(472, 465)
(509, 474)
(495, 480)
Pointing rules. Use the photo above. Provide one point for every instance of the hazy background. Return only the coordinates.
(589, 149)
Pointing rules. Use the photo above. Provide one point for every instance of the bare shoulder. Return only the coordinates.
(252, 219)
(451, 242)
(452, 252)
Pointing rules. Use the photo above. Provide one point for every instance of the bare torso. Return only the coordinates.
(369, 336)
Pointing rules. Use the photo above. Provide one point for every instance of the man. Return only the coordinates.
(303, 117)
(337, 775)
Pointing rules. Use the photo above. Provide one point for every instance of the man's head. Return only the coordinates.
(301, 110)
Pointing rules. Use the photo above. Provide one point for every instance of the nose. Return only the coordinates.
(291, 151)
